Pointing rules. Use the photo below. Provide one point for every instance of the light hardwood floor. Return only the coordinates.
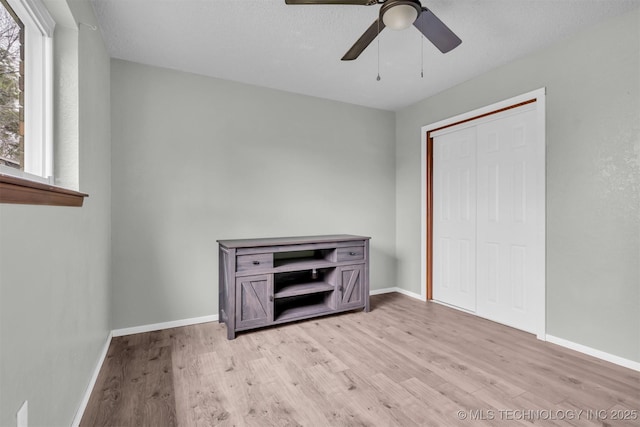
(405, 363)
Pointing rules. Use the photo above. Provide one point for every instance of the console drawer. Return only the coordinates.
(351, 253)
(254, 262)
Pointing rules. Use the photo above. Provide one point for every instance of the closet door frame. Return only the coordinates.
(537, 97)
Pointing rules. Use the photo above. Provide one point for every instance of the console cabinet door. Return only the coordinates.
(351, 286)
(254, 301)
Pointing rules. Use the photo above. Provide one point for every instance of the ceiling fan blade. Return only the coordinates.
(364, 40)
(436, 31)
(356, 2)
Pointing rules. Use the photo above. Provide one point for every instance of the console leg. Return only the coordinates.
(231, 334)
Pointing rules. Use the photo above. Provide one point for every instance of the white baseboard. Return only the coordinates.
(381, 291)
(164, 325)
(398, 290)
(594, 352)
(92, 382)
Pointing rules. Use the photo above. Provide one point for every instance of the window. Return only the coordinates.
(26, 30)
(26, 107)
(11, 80)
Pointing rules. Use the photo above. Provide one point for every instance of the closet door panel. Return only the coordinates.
(507, 203)
(454, 192)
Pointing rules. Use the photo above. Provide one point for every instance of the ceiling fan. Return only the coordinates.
(397, 15)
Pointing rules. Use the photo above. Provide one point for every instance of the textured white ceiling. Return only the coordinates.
(297, 48)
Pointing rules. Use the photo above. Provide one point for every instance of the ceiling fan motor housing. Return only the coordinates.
(400, 14)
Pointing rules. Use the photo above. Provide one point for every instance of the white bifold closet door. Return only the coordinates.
(487, 255)
(454, 222)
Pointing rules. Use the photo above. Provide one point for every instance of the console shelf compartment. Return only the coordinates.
(304, 282)
(303, 289)
(302, 306)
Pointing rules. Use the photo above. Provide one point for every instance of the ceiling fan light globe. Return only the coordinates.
(400, 17)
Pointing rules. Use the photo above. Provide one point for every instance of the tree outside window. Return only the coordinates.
(12, 88)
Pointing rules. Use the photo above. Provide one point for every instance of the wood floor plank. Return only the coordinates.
(406, 363)
(160, 407)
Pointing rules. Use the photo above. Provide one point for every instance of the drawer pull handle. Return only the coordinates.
(340, 288)
(256, 262)
(352, 253)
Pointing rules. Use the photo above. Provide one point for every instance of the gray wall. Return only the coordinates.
(196, 159)
(55, 264)
(593, 178)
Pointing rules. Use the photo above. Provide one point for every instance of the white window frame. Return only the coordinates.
(38, 91)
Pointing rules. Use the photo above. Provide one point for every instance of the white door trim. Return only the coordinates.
(539, 97)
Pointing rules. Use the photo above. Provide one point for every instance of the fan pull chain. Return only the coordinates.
(421, 56)
(378, 78)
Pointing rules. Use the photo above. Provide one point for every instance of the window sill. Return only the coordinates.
(21, 191)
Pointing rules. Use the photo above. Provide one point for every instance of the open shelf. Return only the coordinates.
(300, 260)
(304, 282)
(300, 312)
(301, 306)
(301, 264)
(303, 289)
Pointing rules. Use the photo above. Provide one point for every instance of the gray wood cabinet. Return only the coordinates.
(265, 282)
